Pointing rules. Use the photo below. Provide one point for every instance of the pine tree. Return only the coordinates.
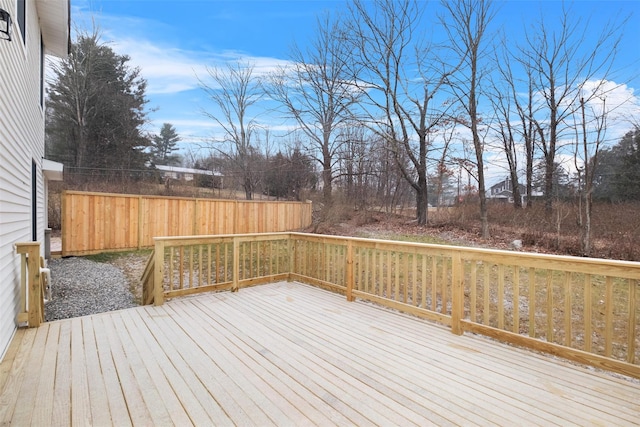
(95, 110)
(164, 144)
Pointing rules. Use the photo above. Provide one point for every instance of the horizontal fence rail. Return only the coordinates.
(99, 222)
(586, 310)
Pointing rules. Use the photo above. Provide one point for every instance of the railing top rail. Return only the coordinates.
(148, 196)
(499, 255)
(606, 267)
(190, 240)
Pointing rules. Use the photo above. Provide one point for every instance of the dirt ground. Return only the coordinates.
(379, 225)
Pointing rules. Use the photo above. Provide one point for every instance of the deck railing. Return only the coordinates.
(582, 309)
(31, 309)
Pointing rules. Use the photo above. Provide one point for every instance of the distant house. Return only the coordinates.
(188, 174)
(37, 27)
(503, 191)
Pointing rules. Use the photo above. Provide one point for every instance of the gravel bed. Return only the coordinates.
(82, 287)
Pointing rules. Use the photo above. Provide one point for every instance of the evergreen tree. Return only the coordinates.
(617, 174)
(163, 145)
(95, 110)
(627, 177)
(286, 176)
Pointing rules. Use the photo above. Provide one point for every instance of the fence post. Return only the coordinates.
(236, 265)
(457, 291)
(158, 276)
(195, 218)
(236, 216)
(63, 223)
(140, 229)
(349, 271)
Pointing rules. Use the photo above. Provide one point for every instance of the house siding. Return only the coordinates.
(21, 143)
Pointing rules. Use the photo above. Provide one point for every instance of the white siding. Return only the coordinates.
(21, 142)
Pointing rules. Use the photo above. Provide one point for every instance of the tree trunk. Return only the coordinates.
(515, 190)
(248, 188)
(586, 227)
(422, 206)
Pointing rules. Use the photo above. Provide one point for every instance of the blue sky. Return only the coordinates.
(173, 41)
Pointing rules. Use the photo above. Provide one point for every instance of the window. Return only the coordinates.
(22, 20)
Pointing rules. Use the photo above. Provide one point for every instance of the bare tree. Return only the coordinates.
(514, 109)
(555, 59)
(502, 102)
(398, 100)
(234, 90)
(315, 92)
(467, 23)
(590, 136)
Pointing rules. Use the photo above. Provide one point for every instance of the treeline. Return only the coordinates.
(382, 111)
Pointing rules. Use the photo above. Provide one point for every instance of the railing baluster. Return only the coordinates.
(424, 281)
(434, 281)
(389, 265)
(181, 267)
(191, 257)
(588, 339)
(445, 284)
(549, 306)
(457, 293)
(532, 302)
(486, 311)
(516, 299)
(608, 321)
(631, 322)
(414, 280)
(209, 278)
(567, 309)
(500, 296)
(473, 287)
(171, 266)
(396, 264)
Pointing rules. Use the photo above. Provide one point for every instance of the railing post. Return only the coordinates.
(291, 247)
(349, 271)
(158, 275)
(236, 265)
(34, 295)
(457, 291)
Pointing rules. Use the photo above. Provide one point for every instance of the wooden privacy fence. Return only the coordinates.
(582, 309)
(100, 222)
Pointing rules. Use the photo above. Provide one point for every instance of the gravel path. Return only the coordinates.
(82, 287)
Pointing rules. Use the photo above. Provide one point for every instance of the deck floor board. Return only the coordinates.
(288, 354)
(487, 381)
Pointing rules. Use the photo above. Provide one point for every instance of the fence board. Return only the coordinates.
(102, 222)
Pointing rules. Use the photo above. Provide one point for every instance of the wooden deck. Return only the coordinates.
(290, 354)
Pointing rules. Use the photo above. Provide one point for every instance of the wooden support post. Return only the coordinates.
(158, 276)
(34, 295)
(457, 293)
(291, 248)
(349, 271)
(236, 265)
